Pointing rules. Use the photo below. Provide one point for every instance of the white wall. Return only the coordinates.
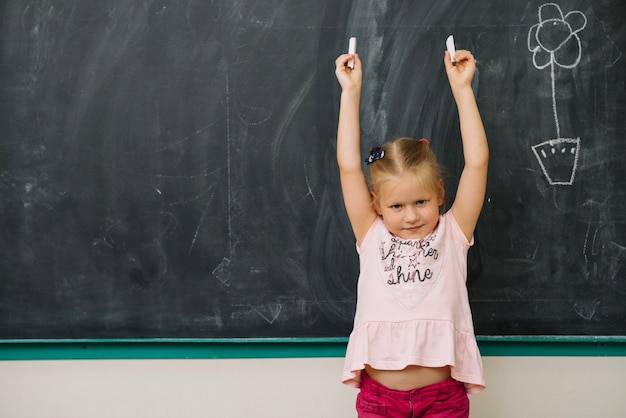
(529, 387)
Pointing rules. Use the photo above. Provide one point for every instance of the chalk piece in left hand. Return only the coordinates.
(352, 50)
(450, 46)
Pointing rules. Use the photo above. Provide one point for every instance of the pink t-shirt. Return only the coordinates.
(413, 307)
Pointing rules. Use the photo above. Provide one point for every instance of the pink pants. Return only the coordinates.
(444, 399)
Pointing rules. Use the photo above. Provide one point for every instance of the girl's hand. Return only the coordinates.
(461, 74)
(350, 79)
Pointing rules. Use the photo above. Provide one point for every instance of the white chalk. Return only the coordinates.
(450, 46)
(351, 50)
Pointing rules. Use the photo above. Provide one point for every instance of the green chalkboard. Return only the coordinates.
(167, 168)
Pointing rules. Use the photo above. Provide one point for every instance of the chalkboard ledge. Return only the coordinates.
(93, 349)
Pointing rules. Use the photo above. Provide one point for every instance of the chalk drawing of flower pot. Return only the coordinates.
(558, 159)
(554, 42)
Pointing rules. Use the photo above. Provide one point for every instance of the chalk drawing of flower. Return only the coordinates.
(554, 41)
(555, 38)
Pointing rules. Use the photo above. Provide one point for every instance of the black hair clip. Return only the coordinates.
(376, 153)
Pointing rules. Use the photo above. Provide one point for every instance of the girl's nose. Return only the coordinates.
(411, 214)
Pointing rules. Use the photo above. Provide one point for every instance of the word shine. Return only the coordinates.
(401, 277)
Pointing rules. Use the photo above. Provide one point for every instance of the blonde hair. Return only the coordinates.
(404, 156)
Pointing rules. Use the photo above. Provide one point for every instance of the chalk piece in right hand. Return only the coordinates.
(351, 50)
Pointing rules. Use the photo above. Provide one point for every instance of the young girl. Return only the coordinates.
(412, 351)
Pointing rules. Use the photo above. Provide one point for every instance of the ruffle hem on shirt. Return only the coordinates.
(395, 345)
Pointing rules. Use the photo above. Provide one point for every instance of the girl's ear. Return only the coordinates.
(442, 194)
(375, 203)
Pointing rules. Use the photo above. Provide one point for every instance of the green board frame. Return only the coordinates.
(85, 349)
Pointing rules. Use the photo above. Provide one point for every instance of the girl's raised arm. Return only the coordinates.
(473, 183)
(356, 194)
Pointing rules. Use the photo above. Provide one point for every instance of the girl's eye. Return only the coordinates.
(420, 202)
(396, 206)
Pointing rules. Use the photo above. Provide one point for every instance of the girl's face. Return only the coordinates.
(408, 210)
